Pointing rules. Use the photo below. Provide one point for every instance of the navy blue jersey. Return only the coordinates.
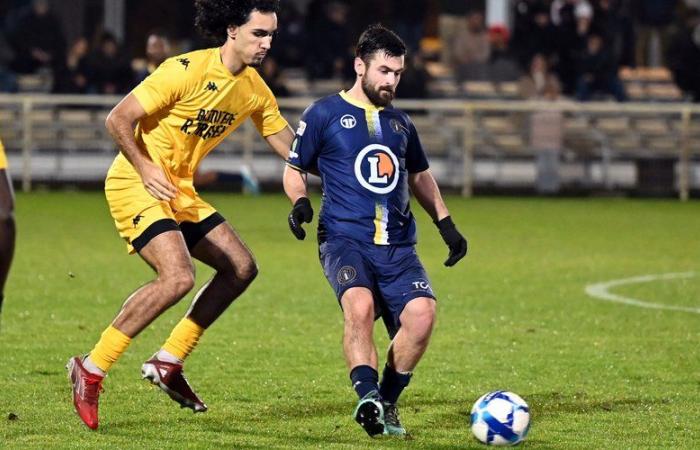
(363, 155)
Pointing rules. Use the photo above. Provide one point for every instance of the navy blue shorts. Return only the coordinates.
(394, 274)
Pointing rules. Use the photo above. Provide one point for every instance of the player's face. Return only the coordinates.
(380, 77)
(253, 39)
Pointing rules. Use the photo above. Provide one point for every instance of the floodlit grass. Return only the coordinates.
(513, 315)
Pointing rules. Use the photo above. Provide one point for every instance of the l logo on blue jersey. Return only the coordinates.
(377, 169)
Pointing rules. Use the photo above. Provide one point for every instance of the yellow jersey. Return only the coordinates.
(192, 103)
(3, 157)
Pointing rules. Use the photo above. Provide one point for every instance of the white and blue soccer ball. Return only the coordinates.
(500, 418)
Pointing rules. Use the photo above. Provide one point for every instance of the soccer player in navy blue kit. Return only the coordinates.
(368, 155)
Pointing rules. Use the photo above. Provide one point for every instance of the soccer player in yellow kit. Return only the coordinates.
(7, 222)
(182, 111)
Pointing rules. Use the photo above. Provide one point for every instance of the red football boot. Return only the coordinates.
(86, 391)
(169, 377)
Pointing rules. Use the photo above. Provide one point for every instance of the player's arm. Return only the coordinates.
(294, 182)
(120, 124)
(281, 141)
(427, 192)
(303, 156)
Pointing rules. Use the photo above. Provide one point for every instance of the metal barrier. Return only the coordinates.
(456, 130)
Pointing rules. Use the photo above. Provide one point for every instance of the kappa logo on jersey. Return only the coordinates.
(348, 121)
(212, 87)
(377, 169)
(185, 62)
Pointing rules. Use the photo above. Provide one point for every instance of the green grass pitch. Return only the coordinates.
(513, 315)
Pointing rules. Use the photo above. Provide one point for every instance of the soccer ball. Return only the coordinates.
(500, 418)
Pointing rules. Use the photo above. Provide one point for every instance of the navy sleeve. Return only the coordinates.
(308, 140)
(416, 161)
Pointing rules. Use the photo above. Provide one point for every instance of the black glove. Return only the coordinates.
(302, 212)
(454, 240)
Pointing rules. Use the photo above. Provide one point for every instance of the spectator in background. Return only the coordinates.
(562, 11)
(8, 80)
(37, 39)
(683, 57)
(654, 18)
(572, 35)
(408, 17)
(414, 80)
(472, 49)
(73, 76)
(597, 72)
(271, 73)
(289, 49)
(502, 63)
(546, 125)
(534, 34)
(539, 83)
(613, 19)
(330, 43)
(158, 49)
(108, 68)
(450, 21)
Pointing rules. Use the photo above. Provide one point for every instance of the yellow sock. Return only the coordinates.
(183, 339)
(109, 348)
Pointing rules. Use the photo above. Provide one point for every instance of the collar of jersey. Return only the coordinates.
(360, 104)
(225, 70)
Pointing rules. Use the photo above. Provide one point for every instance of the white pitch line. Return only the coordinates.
(600, 291)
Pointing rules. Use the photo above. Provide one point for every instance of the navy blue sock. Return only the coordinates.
(364, 380)
(393, 383)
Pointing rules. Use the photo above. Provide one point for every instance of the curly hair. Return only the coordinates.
(215, 16)
(379, 38)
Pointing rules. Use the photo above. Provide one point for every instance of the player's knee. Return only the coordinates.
(358, 309)
(247, 271)
(420, 318)
(179, 283)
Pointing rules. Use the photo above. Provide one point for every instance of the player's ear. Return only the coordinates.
(232, 32)
(360, 67)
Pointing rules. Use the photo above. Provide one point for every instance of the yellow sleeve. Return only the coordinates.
(3, 157)
(166, 85)
(267, 118)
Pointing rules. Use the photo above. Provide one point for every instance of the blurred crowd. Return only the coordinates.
(574, 48)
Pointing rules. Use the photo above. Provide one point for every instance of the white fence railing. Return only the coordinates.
(458, 131)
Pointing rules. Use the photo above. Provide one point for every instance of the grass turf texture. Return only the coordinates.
(512, 316)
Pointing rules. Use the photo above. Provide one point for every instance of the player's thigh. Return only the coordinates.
(345, 268)
(222, 248)
(137, 216)
(167, 254)
(7, 202)
(402, 280)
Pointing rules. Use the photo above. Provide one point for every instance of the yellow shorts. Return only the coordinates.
(3, 157)
(134, 210)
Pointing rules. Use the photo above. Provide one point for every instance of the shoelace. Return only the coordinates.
(391, 414)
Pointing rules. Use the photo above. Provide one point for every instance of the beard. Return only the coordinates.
(378, 97)
(257, 61)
